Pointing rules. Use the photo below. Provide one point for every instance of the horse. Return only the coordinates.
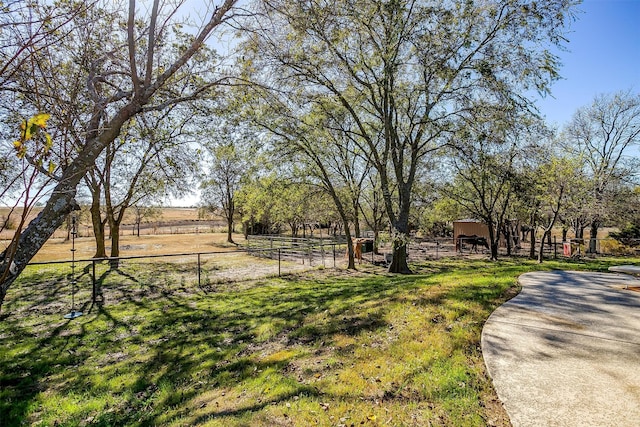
(474, 240)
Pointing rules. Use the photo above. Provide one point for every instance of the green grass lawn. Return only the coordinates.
(330, 348)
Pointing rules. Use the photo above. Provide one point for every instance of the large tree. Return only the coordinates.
(137, 63)
(402, 72)
(602, 134)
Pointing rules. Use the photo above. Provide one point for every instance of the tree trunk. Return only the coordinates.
(115, 244)
(98, 228)
(230, 230)
(115, 239)
(541, 250)
(376, 237)
(508, 239)
(399, 257)
(532, 250)
(245, 229)
(356, 219)
(593, 236)
(493, 241)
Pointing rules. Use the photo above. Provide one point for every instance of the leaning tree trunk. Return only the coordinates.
(60, 204)
(541, 249)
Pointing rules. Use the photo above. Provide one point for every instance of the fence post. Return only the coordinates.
(93, 280)
(555, 247)
(334, 255)
(279, 263)
(198, 269)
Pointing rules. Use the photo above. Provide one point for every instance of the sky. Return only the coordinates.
(603, 56)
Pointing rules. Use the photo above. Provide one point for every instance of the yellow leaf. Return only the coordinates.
(40, 119)
(52, 167)
(49, 143)
(372, 418)
(17, 144)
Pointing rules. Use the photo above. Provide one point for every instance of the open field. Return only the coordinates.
(179, 217)
(327, 347)
(60, 249)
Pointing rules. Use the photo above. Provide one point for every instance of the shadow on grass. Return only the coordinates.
(154, 343)
(148, 350)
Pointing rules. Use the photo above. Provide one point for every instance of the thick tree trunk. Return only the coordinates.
(115, 239)
(399, 259)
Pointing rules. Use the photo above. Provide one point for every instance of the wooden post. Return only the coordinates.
(334, 255)
(198, 269)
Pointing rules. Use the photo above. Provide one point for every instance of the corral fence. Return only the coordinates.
(93, 280)
(310, 250)
(316, 250)
(430, 248)
(201, 268)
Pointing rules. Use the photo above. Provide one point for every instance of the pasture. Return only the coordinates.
(324, 347)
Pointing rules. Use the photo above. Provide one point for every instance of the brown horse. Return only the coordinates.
(474, 240)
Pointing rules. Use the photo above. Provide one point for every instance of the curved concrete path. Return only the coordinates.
(566, 350)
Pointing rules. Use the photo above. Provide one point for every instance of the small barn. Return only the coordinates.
(470, 227)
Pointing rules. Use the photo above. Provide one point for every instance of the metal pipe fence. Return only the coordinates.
(203, 268)
(96, 278)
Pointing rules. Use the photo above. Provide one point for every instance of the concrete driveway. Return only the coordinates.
(566, 350)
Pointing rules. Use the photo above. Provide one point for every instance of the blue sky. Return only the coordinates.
(603, 56)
